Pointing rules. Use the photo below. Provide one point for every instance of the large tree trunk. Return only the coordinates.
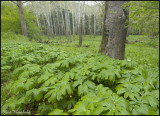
(21, 15)
(114, 30)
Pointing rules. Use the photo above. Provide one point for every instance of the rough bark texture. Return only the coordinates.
(21, 15)
(114, 30)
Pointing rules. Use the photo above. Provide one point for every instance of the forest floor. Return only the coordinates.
(31, 69)
(144, 51)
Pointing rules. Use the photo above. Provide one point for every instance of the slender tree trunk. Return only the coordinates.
(66, 19)
(51, 23)
(73, 22)
(47, 19)
(59, 31)
(114, 32)
(76, 21)
(37, 13)
(83, 20)
(78, 14)
(94, 25)
(22, 19)
(94, 22)
(69, 23)
(89, 28)
(54, 20)
(63, 26)
(79, 26)
(80, 33)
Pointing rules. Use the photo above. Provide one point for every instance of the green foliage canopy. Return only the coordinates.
(10, 20)
(145, 15)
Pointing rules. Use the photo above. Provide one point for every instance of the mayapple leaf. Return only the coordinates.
(19, 88)
(59, 96)
(79, 108)
(52, 98)
(76, 83)
(98, 110)
(65, 64)
(140, 110)
(44, 77)
(111, 77)
(152, 112)
(58, 112)
(12, 106)
(28, 96)
(150, 100)
(71, 110)
(126, 95)
(80, 90)
(90, 84)
(118, 75)
(120, 90)
(38, 93)
(91, 106)
(145, 74)
(68, 88)
(20, 101)
(25, 74)
(29, 84)
(85, 89)
(49, 93)
(93, 76)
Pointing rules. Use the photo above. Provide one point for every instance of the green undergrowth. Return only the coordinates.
(44, 79)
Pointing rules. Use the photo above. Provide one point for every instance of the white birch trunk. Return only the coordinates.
(66, 19)
(58, 25)
(73, 22)
(63, 26)
(78, 14)
(76, 24)
(83, 20)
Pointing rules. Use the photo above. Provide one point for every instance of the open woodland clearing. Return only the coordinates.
(80, 58)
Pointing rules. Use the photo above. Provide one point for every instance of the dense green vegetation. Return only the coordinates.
(48, 73)
(82, 80)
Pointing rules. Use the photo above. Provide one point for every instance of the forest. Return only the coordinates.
(79, 57)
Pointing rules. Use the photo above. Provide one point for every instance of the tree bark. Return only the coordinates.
(58, 27)
(66, 19)
(114, 31)
(80, 33)
(22, 19)
(63, 26)
(79, 25)
(78, 14)
(73, 22)
(83, 20)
